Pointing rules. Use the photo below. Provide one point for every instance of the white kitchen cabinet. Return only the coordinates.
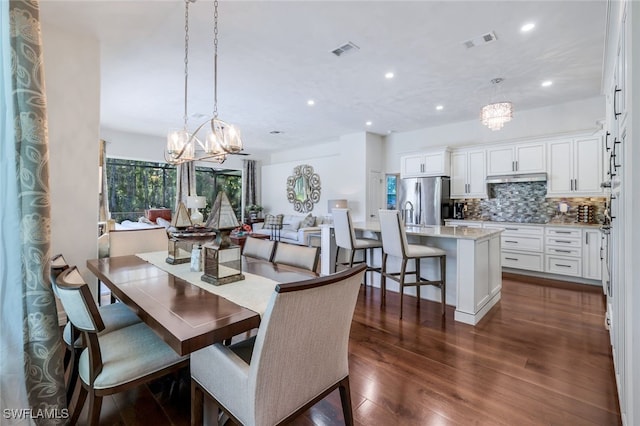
(563, 251)
(575, 167)
(433, 163)
(516, 159)
(592, 254)
(468, 174)
(522, 246)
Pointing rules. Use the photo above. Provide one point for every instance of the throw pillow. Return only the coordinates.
(273, 222)
(308, 221)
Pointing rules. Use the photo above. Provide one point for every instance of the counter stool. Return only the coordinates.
(394, 243)
(346, 239)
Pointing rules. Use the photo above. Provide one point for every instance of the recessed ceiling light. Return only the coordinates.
(311, 102)
(368, 123)
(547, 83)
(389, 75)
(439, 107)
(527, 27)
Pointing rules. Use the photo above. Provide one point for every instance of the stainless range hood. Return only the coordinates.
(528, 177)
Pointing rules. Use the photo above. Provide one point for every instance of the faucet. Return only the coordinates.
(408, 213)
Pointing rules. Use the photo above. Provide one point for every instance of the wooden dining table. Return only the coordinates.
(187, 317)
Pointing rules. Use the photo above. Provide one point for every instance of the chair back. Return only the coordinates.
(78, 302)
(132, 241)
(259, 248)
(301, 347)
(394, 238)
(302, 257)
(57, 264)
(343, 228)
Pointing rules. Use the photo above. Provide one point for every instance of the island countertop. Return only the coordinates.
(455, 232)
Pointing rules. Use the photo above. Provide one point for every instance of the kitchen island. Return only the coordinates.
(474, 269)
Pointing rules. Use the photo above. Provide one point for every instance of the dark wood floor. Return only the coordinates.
(540, 357)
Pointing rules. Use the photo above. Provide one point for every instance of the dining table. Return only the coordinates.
(187, 313)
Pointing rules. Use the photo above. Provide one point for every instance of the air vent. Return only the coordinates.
(345, 48)
(479, 40)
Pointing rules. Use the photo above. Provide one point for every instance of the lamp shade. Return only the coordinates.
(336, 204)
(196, 202)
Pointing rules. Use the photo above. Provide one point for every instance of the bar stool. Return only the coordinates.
(394, 243)
(346, 239)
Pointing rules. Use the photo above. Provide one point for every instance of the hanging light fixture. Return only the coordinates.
(495, 114)
(222, 138)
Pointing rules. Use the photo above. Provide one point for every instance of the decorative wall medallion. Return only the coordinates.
(303, 188)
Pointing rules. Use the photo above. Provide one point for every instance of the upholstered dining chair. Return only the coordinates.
(114, 316)
(115, 361)
(259, 248)
(346, 239)
(301, 257)
(394, 243)
(298, 356)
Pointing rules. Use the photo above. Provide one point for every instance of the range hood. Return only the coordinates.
(527, 177)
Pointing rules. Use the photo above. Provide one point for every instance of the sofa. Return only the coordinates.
(295, 228)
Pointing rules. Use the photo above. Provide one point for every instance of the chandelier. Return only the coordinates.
(221, 138)
(494, 115)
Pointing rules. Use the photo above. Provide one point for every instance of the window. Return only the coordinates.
(138, 185)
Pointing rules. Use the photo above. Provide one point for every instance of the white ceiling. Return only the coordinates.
(275, 55)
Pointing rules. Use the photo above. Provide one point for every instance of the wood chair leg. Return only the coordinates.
(345, 398)
(383, 280)
(95, 404)
(418, 279)
(336, 262)
(197, 404)
(443, 280)
(79, 403)
(402, 277)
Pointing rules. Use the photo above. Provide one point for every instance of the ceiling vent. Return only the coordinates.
(482, 39)
(345, 48)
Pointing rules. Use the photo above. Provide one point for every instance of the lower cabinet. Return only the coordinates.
(522, 246)
(563, 251)
(592, 254)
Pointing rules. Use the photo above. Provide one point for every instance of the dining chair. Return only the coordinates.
(259, 248)
(131, 241)
(394, 243)
(115, 361)
(298, 356)
(346, 239)
(302, 257)
(114, 316)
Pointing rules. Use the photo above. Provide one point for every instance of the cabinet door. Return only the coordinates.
(412, 165)
(436, 164)
(560, 167)
(530, 158)
(459, 175)
(587, 166)
(500, 160)
(476, 174)
(591, 262)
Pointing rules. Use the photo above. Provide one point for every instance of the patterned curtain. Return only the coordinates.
(249, 187)
(186, 183)
(103, 212)
(25, 198)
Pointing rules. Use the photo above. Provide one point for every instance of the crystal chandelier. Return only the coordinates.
(221, 138)
(494, 115)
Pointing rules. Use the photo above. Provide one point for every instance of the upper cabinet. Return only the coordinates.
(575, 167)
(516, 159)
(468, 173)
(433, 163)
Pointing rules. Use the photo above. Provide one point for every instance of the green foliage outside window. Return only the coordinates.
(138, 185)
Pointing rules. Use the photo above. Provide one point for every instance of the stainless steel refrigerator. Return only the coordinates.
(425, 201)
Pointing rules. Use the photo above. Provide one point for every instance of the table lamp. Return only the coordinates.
(196, 202)
(336, 204)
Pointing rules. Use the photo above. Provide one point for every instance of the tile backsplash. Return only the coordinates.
(525, 202)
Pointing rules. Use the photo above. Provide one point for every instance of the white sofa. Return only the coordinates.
(291, 231)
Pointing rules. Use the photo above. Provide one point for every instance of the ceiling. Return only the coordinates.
(276, 55)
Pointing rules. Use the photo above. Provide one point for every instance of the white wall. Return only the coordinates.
(72, 78)
(342, 168)
(562, 118)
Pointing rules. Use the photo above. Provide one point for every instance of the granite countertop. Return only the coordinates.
(551, 223)
(436, 231)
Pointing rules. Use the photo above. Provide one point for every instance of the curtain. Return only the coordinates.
(250, 183)
(103, 213)
(29, 317)
(186, 183)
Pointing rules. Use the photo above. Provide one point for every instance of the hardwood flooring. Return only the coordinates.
(540, 357)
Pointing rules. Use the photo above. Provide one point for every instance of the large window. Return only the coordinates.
(138, 185)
